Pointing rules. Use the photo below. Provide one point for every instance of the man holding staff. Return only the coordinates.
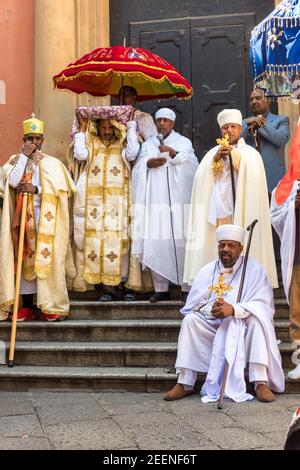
(45, 256)
(216, 328)
(229, 187)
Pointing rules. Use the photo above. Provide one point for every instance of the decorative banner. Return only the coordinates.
(275, 51)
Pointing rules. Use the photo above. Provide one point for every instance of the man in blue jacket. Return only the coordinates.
(268, 133)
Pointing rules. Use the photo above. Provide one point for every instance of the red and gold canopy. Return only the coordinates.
(103, 71)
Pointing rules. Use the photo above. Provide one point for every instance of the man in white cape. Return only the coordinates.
(216, 329)
(212, 200)
(162, 180)
(285, 204)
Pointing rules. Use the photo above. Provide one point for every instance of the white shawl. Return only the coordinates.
(257, 298)
(251, 203)
(152, 237)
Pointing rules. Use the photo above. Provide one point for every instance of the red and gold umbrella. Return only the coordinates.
(103, 71)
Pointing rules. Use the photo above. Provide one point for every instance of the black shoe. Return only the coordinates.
(158, 296)
(130, 296)
(107, 298)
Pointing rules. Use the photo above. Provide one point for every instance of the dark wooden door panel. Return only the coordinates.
(173, 44)
(218, 70)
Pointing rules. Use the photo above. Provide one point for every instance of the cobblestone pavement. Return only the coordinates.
(125, 421)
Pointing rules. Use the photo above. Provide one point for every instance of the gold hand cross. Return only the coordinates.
(220, 288)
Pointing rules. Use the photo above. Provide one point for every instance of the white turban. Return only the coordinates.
(166, 113)
(229, 116)
(230, 232)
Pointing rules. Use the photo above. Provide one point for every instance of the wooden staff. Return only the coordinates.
(239, 296)
(232, 181)
(18, 280)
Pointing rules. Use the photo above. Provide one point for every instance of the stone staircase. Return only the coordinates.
(115, 346)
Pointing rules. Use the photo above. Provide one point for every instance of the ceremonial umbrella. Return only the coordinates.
(103, 71)
(275, 50)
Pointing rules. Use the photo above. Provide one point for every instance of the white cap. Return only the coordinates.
(166, 113)
(229, 116)
(230, 232)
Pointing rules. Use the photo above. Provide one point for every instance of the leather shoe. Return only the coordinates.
(107, 298)
(158, 296)
(130, 296)
(51, 317)
(263, 393)
(177, 392)
(24, 314)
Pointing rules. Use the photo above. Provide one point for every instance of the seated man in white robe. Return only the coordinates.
(216, 328)
(162, 180)
(230, 169)
(285, 203)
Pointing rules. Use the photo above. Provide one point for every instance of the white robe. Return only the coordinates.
(251, 203)
(152, 236)
(28, 287)
(202, 351)
(283, 219)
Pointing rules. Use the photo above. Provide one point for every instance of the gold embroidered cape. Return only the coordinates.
(50, 253)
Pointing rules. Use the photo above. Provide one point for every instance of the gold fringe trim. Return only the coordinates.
(118, 62)
(180, 88)
(109, 280)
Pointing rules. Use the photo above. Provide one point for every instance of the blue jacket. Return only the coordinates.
(273, 137)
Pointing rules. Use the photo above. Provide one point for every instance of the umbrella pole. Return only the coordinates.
(18, 281)
(122, 92)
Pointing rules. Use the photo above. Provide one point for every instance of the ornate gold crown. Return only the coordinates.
(33, 126)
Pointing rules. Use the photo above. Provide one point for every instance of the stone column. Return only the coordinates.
(16, 72)
(60, 39)
(92, 32)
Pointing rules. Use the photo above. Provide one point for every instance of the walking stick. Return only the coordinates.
(239, 296)
(161, 141)
(18, 280)
(232, 181)
(173, 236)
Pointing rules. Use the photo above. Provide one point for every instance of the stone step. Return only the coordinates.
(92, 310)
(95, 354)
(134, 379)
(108, 330)
(95, 330)
(137, 379)
(107, 354)
(95, 294)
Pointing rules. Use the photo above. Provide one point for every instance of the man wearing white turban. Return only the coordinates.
(216, 329)
(162, 180)
(231, 168)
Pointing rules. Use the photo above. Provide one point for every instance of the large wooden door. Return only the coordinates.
(220, 71)
(170, 40)
(208, 42)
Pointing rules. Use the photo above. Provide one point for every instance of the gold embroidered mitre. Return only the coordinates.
(33, 126)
